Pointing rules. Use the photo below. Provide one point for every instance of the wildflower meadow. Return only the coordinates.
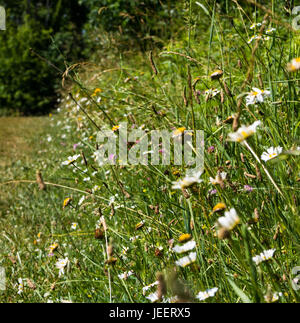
(164, 173)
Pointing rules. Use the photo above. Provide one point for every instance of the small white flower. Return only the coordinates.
(74, 226)
(211, 93)
(206, 294)
(257, 96)
(61, 264)
(81, 200)
(71, 159)
(275, 297)
(294, 65)
(255, 25)
(187, 181)
(230, 220)
(146, 288)
(271, 153)
(153, 297)
(263, 256)
(244, 132)
(125, 275)
(187, 260)
(270, 30)
(20, 286)
(190, 245)
(95, 188)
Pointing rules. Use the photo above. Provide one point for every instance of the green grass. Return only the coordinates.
(125, 196)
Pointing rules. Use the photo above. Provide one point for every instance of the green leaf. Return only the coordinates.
(239, 292)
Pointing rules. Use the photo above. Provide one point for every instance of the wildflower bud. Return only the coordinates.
(185, 193)
(110, 248)
(258, 173)
(99, 234)
(162, 286)
(242, 157)
(152, 63)
(216, 74)
(39, 180)
(222, 96)
(112, 213)
(256, 215)
(226, 88)
(31, 284)
(228, 120)
(185, 100)
(235, 124)
(249, 175)
(158, 252)
(276, 232)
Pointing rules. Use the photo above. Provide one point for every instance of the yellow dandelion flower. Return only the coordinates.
(185, 237)
(216, 74)
(179, 131)
(97, 90)
(219, 207)
(139, 225)
(66, 202)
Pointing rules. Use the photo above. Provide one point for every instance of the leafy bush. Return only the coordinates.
(28, 83)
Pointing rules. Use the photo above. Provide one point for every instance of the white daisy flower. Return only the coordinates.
(271, 153)
(126, 275)
(265, 255)
(187, 260)
(74, 226)
(270, 30)
(256, 96)
(211, 93)
(190, 245)
(20, 286)
(294, 65)
(244, 132)
(61, 264)
(273, 298)
(255, 25)
(229, 220)
(187, 181)
(251, 39)
(71, 159)
(206, 294)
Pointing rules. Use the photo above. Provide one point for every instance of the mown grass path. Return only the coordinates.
(19, 143)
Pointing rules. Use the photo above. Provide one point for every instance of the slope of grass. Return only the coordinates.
(116, 226)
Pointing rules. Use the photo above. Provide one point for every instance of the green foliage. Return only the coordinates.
(134, 19)
(53, 30)
(26, 82)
